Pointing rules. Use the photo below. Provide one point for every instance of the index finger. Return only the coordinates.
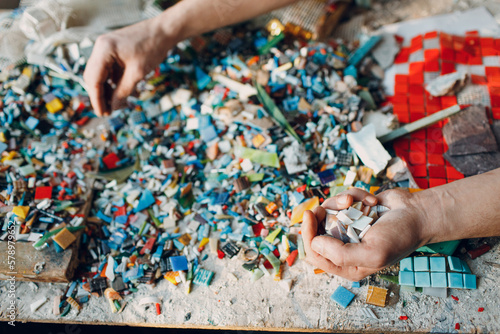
(309, 230)
(346, 198)
(96, 74)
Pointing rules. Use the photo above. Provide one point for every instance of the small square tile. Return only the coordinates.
(406, 278)
(438, 280)
(376, 296)
(455, 280)
(355, 285)
(465, 268)
(64, 238)
(455, 263)
(406, 264)
(179, 263)
(203, 277)
(42, 193)
(438, 264)
(422, 279)
(470, 281)
(342, 296)
(421, 263)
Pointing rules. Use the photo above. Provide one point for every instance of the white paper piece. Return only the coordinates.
(445, 84)
(368, 148)
(110, 269)
(349, 178)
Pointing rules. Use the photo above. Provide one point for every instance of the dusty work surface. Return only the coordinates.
(264, 305)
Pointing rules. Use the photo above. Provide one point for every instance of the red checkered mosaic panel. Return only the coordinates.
(427, 57)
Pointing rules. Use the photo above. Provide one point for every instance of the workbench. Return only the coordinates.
(264, 305)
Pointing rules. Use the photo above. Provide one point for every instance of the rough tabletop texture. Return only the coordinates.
(241, 304)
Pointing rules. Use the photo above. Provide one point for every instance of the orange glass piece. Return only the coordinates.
(298, 211)
(170, 276)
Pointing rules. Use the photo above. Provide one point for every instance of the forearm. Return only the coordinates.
(467, 208)
(193, 17)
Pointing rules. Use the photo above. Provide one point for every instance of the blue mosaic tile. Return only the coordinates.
(406, 264)
(455, 263)
(178, 263)
(438, 264)
(421, 263)
(438, 280)
(342, 296)
(422, 279)
(469, 281)
(455, 280)
(465, 268)
(406, 278)
(203, 277)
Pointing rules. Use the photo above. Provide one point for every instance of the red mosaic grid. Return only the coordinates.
(423, 150)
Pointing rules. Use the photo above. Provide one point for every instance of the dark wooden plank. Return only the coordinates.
(59, 267)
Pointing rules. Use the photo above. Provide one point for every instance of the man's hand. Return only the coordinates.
(395, 235)
(121, 59)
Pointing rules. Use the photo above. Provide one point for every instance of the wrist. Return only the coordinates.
(167, 28)
(430, 207)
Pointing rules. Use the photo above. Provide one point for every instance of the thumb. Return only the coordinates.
(351, 255)
(126, 86)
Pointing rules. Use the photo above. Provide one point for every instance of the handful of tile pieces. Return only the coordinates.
(351, 225)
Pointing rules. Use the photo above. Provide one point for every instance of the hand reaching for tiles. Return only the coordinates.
(120, 59)
(395, 235)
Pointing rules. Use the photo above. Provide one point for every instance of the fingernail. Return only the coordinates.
(342, 199)
(371, 200)
(317, 246)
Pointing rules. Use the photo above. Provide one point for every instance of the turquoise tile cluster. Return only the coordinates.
(436, 272)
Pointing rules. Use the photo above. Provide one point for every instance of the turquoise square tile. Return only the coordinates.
(438, 280)
(406, 264)
(469, 281)
(406, 278)
(438, 264)
(342, 296)
(465, 268)
(454, 263)
(422, 279)
(203, 277)
(455, 280)
(421, 263)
